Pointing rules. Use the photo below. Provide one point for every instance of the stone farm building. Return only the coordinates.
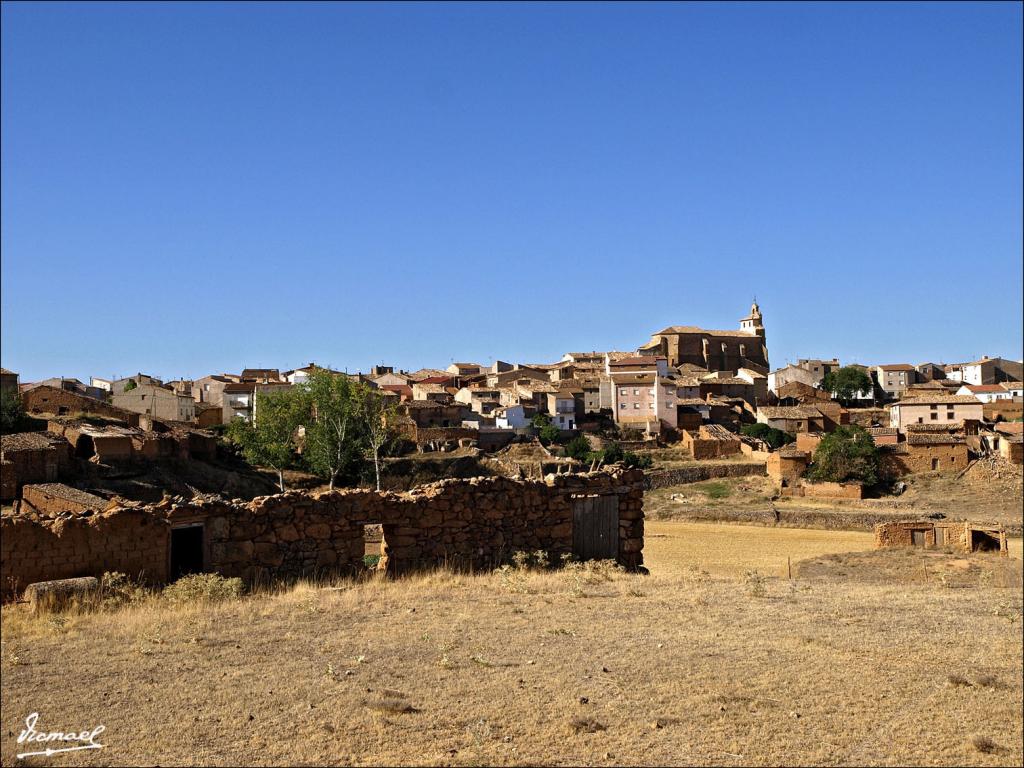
(962, 536)
(476, 523)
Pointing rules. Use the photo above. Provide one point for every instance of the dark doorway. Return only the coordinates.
(84, 448)
(983, 541)
(595, 528)
(186, 551)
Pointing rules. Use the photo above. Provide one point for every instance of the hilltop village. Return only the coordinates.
(703, 397)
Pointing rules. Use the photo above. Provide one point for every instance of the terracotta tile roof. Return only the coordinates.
(938, 400)
(678, 329)
(790, 412)
(878, 431)
(924, 438)
(897, 367)
(955, 426)
(637, 360)
(982, 388)
(28, 441)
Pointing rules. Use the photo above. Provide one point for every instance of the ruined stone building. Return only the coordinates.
(472, 524)
(714, 350)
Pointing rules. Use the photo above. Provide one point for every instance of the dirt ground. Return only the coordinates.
(564, 668)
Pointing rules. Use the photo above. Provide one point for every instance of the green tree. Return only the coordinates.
(776, 438)
(270, 442)
(540, 420)
(377, 415)
(848, 453)
(130, 385)
(549, 434)
(334, 434)
(12, 412)
(844, 383)
(579, 448)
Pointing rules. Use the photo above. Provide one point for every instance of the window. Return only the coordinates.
(636, 391)
(935, 417)
(623, 406)
(636, 406)
(935, 407)
(650, 407)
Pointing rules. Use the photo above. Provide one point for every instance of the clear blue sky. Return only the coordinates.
(196, 188)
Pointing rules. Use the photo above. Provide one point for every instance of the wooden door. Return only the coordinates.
(917, 538)
(595, 528)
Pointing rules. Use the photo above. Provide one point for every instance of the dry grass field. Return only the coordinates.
(567, 668)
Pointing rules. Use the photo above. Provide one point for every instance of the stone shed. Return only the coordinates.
(961, 535)
(30, 457)
(465, 524)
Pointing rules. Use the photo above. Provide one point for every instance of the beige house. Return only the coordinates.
(935, 409)
(155, 401)
(645, 401)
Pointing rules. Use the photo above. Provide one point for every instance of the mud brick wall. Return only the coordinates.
(132, 541)
(899, 534)
(915, 459)
(47, 399)
(468, 524)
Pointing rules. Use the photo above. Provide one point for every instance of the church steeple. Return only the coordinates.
(753, 322)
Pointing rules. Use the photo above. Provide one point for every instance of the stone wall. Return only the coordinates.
(661, 478)
(468, 524)
(824, 490)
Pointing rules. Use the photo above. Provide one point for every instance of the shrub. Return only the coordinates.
(578, 448)
(716, 490)
(116, 590)
(776, 438)
(203, 588)
(755, 583)
(637, 461)
(12, 412)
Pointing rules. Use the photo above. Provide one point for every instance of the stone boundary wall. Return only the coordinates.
(824, 490)
(466, 524)
(662, 478)
(855, 520)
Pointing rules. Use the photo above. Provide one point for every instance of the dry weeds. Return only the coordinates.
(457, 669)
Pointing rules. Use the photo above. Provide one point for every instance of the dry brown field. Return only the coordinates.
(698, 663)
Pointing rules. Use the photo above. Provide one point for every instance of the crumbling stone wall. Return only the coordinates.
(702, 447)
(470, 524)
(661, 478)
(47, 399)
(55, 499)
